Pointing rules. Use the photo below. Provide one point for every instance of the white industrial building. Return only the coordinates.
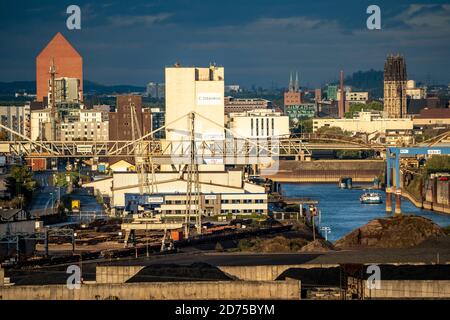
(223, 192)
(365, 122)
(258, 124)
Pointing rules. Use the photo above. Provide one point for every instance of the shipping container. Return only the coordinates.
(38, 164)
(176, 235)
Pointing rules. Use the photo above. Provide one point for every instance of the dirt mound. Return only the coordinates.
(318, 245)
(395, 232)
(173, 272)
(276, 244)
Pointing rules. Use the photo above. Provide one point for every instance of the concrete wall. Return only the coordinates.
(265, 273)
(217, 290)
(2, 277)
(409, 289)
(115, 274)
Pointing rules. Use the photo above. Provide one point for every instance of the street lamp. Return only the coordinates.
(326, 230)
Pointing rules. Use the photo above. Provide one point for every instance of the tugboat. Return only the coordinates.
(370, 198)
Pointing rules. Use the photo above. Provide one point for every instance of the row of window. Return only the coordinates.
(234, 211)
(223, 201)
(258, 122)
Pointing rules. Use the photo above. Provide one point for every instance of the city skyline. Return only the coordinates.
(258, 44)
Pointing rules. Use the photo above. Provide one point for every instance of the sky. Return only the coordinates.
(257, 41)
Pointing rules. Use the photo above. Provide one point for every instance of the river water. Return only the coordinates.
(342, 212)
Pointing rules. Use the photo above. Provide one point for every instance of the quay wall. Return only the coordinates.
(116, 274)
(326, 170)
(436, 196)
(199, 290)
(413, 289)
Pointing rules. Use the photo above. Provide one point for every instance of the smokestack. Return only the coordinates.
(341, 104)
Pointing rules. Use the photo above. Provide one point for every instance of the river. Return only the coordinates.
(341, 210)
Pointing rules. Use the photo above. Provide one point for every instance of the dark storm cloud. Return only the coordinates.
(257, 41)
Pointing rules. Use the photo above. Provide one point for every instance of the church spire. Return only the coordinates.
(291, 84)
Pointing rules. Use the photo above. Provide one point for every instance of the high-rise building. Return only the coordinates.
(332, 92)
(120, 127)
(155, 90)
(66, 90)
(66, 60)
(17, 118)
(395, 87)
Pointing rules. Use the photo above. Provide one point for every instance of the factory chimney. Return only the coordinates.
(341, 104)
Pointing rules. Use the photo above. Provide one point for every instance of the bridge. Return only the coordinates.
(232, 149)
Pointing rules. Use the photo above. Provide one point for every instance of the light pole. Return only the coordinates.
(326, 230)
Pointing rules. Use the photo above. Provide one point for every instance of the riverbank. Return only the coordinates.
(342, 211)
(427, 205)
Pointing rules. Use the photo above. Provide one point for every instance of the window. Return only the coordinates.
(251, 125)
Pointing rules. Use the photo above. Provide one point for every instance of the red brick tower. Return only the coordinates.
(67, 60)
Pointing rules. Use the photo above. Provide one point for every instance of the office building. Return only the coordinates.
(155, 90)
(354, 97)
(17, 118)
(395, 86)
(300, 112)
(120, 120)
(413, 92)
(332, 92)
(365, 122)
(40, 124)
(66, 60)
(157, 120)
(66, 90)
(243, 105)
(232, 88)
(259, 124)
(83, 131)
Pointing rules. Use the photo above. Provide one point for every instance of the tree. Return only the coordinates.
(20, 183)
(305, 126)
(23, 178)
(358, 107)
(330, 131)
(438, 163)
